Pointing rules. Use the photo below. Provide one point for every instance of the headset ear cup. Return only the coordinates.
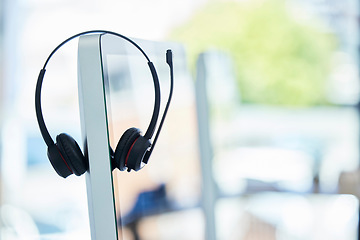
(72, 154)
(123, 146)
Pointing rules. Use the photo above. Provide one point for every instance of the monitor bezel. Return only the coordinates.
(94, 128)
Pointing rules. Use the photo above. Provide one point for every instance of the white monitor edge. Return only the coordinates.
(94, 130)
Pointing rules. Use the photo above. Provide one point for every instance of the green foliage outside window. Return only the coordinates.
(278, 59)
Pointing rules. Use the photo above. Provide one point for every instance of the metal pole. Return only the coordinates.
(206, 151)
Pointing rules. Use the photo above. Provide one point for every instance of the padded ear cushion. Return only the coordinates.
(136, 154)
(123, 147)
(58, 162)
(72, 153)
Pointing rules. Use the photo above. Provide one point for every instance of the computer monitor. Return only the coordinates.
(116, 92)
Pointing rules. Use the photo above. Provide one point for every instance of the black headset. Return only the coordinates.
(132, 151)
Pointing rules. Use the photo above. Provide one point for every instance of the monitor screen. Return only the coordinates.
(152, 202)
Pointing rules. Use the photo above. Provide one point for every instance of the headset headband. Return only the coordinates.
(151, 128)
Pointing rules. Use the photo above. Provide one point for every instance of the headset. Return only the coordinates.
(133, 149)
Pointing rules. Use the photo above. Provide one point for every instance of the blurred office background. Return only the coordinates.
(267, 122)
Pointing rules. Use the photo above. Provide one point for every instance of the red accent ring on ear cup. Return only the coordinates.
(123, 147)
(65, 161)
(131, 147)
